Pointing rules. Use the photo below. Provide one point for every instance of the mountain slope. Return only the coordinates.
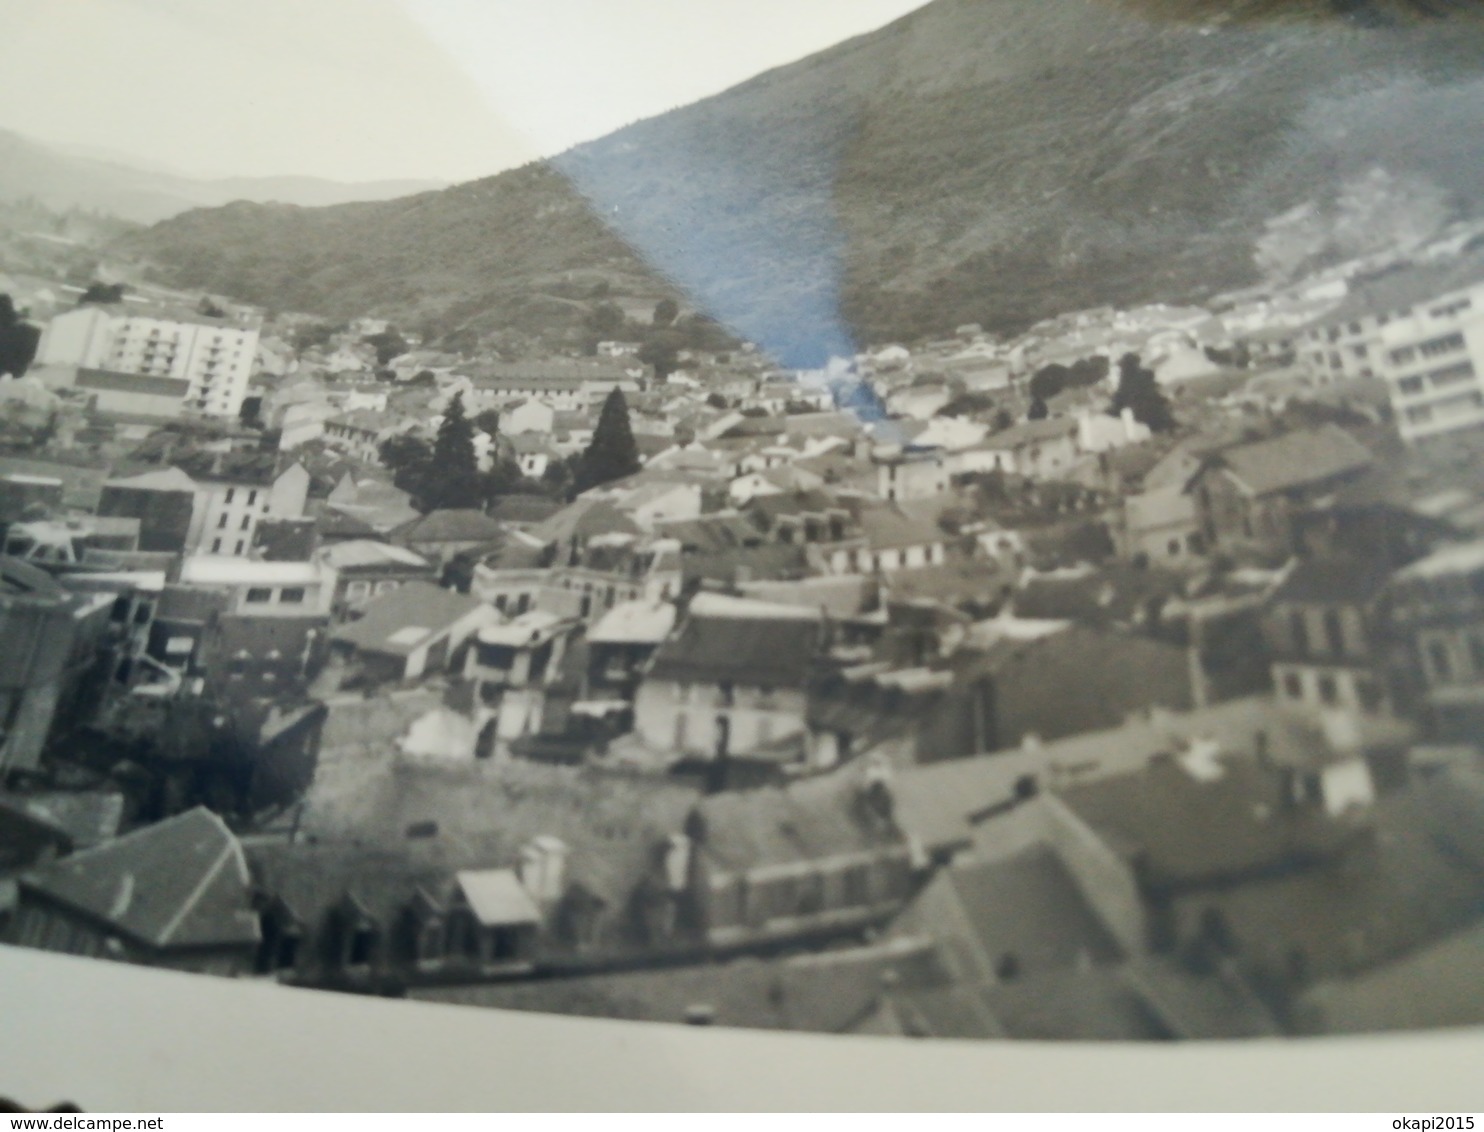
(62, 181)
(979, 160)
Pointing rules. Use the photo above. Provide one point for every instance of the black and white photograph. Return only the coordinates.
(955, 520)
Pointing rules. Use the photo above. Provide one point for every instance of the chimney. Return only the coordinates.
(543, 866)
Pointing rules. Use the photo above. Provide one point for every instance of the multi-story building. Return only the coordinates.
(1324, 627)
(236, 490)
(1437, 609)
(203, 361)
(1433, 362)
(50, 639)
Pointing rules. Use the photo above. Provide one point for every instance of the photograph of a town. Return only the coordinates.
(976, 532)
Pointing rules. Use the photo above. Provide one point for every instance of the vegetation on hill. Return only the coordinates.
(984, 161)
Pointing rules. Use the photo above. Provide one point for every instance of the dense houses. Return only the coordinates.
(1123, 680)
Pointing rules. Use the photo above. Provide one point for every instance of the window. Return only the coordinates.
(216, 545)
(246, 523)
(231, 491)
(259, 595)
(222, 522)
(1451, 375)
(240, 546)
(252, 497)
(1403, 356)
(1444, 345)
(1328, 692)
(1419, 414)
(1410, 385)
(1293, 686)
(291, 595)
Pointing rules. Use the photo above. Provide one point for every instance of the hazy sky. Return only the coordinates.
(367, 89)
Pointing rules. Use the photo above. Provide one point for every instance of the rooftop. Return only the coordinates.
(1295, 459)
(180, 883)
(400, 621)
(634, 622)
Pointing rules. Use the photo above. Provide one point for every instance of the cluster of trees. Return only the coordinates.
(662, 339)
(1138, 390)
(445, 474)
(102, 293)
(1050, 380)
(388, 345)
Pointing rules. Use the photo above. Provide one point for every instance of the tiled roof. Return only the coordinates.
(749, 651)
(453, 525)
(180, 883)
(387, 623)
(807, 820)
(1295, 459)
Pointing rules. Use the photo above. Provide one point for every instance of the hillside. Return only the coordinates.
(980, 160)
(62, 181)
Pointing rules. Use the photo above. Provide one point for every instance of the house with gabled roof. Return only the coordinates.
(731, 681)
(1248, 496)
(174, 894)
(415, 629)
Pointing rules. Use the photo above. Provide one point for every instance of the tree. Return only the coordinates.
(716, 400)
(503, 478)
(606, 321)
(1003, 420)
(488, 421)
(410, 460)
(666, 311)
(1038, 410)
(102, 293)
(313, 335)
(1139, 390)
(1049, 381)
(388, 345)
(662, 351)
(453, 479)
(612, 454)
(209, 308)
(18, 340)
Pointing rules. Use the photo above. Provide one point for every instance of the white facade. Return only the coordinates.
(214, 357)
(1433, 362)
(528, 416)
(229, 512)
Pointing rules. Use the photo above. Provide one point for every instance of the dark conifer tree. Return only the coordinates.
(453, 477)
(612, 453)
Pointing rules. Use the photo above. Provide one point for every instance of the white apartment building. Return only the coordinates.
(211, 359)
(1433, 362)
